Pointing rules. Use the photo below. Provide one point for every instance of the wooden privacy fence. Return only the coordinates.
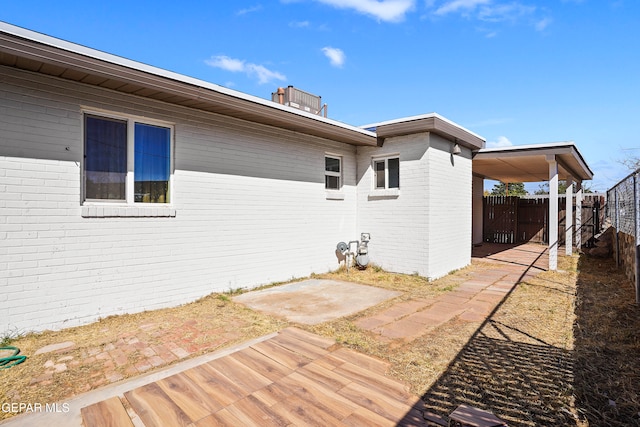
(512, 219)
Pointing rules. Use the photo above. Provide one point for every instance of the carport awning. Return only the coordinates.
(536, 163)
(530, 163)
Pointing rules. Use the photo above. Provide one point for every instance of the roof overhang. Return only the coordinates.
(433, 123)
(35, 52)
(530, 163)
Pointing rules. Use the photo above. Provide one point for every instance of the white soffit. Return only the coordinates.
(530, 163)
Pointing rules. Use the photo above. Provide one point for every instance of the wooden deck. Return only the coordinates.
(293, 379)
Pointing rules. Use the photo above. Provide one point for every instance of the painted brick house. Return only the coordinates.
(124, 187)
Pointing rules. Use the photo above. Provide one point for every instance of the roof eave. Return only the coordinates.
(433, 123)
(47, 55)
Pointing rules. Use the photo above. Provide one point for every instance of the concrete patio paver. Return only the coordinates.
(314, 301)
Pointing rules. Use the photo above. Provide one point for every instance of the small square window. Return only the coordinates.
(332, 173)
(386, 173)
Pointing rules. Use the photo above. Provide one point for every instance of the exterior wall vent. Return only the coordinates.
(300, 99)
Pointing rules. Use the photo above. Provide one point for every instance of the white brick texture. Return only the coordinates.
(249, 208)
(426, 227)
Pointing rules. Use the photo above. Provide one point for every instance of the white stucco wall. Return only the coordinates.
(250, 209)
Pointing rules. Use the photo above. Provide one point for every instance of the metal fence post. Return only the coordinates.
(636, 212)
(617, 225)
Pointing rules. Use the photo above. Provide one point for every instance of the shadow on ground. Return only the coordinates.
(523, 383)
(511, 372)
(528, 382)
(607, 345)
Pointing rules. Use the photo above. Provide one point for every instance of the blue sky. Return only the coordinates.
(514, 71)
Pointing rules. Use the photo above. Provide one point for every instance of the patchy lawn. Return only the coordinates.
(560, 350)
(518, 362)
(607, 345)
(121, 347)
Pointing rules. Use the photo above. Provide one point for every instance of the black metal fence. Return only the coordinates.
(623, 212)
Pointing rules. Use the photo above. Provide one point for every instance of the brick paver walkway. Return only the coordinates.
(471, 301)
(133, 352)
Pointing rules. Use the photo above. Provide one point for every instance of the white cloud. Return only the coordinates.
(504, 12)
(252, 9)
(502, 141)
(308, 25)
(460, 6)
(263, 74)
(486, 10)
(492, 11)
(384, 10)
(226, 63)
(299, 24)
(542, 24)
(336, 56)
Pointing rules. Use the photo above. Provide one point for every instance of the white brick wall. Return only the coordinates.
(250, 209)
(449, 212)
(426, 229)
(397, 224)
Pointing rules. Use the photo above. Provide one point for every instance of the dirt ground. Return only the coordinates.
(560, 350)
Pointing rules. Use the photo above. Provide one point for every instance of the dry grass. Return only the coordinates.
(607, 343)
(523, 362)
(518, 362)
(204, 326)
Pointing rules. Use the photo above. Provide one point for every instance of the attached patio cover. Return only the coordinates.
(536, 163)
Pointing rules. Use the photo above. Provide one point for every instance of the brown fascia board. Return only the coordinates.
(232, 104)
(433, 124)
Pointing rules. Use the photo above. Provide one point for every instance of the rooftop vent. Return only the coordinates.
(300, 99)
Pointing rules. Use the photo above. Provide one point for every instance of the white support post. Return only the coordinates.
(553, 212)
(568, 231)
(579, 216)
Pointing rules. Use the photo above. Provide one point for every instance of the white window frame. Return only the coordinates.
(100, 207)
(384, 160)
(334, 174)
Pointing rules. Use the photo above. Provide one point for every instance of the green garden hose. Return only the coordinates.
(13, 360)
